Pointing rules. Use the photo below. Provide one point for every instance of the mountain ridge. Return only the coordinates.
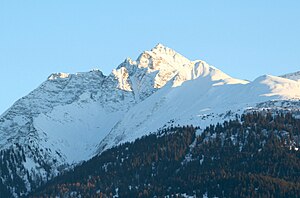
(293, 76)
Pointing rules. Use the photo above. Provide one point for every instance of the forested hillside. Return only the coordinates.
(256, 156)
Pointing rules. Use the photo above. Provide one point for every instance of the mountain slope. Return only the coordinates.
(293, 76)
(255, 158)
(72, 117)
(199, 102)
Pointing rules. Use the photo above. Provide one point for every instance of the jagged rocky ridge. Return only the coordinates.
(72, 117)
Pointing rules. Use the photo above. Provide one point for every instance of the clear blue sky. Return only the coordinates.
(245, 39)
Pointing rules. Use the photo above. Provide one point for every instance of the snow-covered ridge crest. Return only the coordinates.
(62, 75)
(163, 64)
(293, 76)
(59, 75)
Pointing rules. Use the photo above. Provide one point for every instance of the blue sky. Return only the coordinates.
(244, 39)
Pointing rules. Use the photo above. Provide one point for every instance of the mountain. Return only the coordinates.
(70, 118)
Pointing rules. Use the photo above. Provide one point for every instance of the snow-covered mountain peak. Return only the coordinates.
(155, 68)
(160, 56)
(161, 50)
(158, 45)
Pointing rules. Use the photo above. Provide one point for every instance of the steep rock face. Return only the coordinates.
(71, 117)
